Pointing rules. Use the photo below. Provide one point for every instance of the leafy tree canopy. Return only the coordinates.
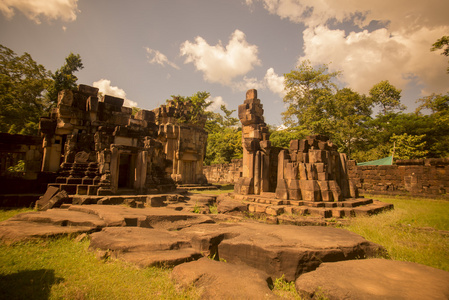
(224, 141)
(63, 78)
(309, 97)
(195, 105)
(387, 96)
(22, 85)
(442, 43)
(409, 146)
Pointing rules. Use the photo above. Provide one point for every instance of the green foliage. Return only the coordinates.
(22, 84)
(350, 113)
(409, 146)
(20, 167)
(285, 289)
(195, 106)
(224, 145)
(6, 213)
(135, 110)
(224, 141)
(282, 137)
(63, 78)
(309, 97)
(442, 43)
(387, 96)
(213, 209)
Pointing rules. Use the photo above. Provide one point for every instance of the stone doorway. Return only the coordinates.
(189, 173)
(126, 172)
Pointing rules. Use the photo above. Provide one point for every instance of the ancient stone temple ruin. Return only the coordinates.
(98, 147)
(311, 173)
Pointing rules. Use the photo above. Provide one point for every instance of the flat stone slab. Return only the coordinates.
(91, 218)
(150, 217)
(53, 222)
(220, 280)
(18, 231)
(375, 279)
(279, 249)
(61, 217)
(144, 246)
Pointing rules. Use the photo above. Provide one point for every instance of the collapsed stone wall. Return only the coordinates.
(224, 173)
(311, 169)
(97, 146)
(15, 148)
(420, 177)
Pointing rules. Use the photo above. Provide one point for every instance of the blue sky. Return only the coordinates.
(145, 51)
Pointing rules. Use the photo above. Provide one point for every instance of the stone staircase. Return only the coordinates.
(78, 178)
(266, 203)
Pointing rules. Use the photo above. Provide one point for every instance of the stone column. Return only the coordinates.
(257, 173)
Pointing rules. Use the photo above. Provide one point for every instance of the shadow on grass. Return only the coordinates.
(28, 284)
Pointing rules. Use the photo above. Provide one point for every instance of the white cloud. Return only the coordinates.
(274, 82)
(217, 102)
(65, 10)
(409, 14)
(221, 64)
(399, 52)
(156, 57)
(247, 83)
(367, 58)
(104, 86)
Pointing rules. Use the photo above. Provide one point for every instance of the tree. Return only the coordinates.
(63, 78)
(22, 85)
(350, 114)
(195, 106)
(387, 96)
(309, 97)
(442, 43)
(224, 145)
(224, 141)
(409, 146)
(282, 137)
(438, 135)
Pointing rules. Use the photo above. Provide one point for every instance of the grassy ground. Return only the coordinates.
(6, 213)
(64, 269)
(416, 230)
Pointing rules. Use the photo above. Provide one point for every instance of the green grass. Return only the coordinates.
(6, 213)
(414, 231)
(65, 269)
(223, 189)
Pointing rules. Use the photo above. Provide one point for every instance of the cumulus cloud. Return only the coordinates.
(217, 102)
(221, 64)
(398, 50)
(367, 58)
(156, 57)
(404, 14)
(104, 86)
(65, 10)
(274, 82)
(247, 83)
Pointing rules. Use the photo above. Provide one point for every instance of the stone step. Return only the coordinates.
(372, 209)
(354, 202)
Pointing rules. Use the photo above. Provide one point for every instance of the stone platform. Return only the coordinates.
(266, 203)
